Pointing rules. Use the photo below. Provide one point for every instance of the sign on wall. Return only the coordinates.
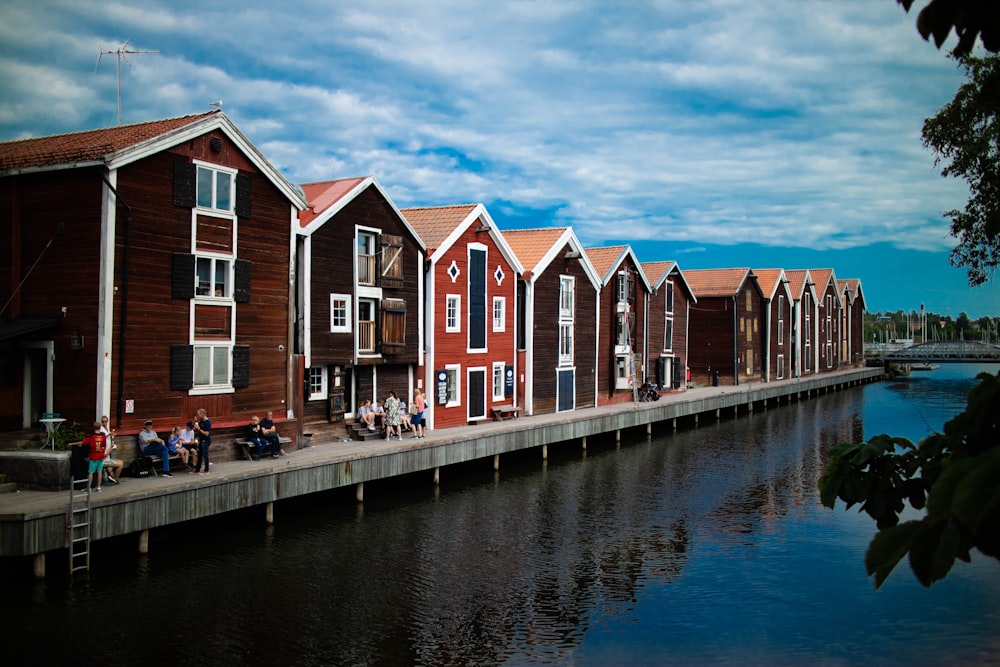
(442, 386)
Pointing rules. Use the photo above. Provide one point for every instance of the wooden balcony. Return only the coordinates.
(366, 336)
(366, 270)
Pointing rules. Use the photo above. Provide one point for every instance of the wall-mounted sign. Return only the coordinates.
(442, 386)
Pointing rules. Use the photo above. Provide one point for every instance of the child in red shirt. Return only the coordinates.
(96, 443)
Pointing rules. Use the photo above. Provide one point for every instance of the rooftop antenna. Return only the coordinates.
(123, 52)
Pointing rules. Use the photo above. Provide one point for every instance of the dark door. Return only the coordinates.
(565, 390)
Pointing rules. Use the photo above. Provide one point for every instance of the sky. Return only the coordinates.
(718, 133)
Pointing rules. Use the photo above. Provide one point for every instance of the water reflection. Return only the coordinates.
(704, 546)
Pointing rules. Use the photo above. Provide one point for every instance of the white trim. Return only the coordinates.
(502, 365)
(565, 369)
(106, 297)
(458, 385)
(324, 391)
(348, 300)
(457, 328)
(486, 393)
(49, 347)
(502, 326)
(487, 314)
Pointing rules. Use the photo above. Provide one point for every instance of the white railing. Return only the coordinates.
(366, 269)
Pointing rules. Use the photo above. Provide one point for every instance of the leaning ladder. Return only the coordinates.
(78, 525)
(631, 358)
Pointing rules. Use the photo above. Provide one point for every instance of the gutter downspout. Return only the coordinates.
(736, 352)
(122, 328)
(767, 337)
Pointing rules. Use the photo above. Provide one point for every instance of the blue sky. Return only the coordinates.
(719, 133)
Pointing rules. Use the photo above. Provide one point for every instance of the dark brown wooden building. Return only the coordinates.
(360, 298)
(621, 322)
(829, 331)
(667, 324)
(853, 352)
(557, 334)
(726, 344)
(777, 323)
(147, 275)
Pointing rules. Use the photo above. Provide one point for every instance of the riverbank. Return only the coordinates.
(34, 522)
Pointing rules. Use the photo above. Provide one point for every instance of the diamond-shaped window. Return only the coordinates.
(453, 271)
(499, 275)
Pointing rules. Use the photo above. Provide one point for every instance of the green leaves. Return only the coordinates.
(953, 477)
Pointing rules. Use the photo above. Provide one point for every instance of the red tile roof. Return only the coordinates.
(657, 271)
(433, 224)
(768, 281)
(531, 245)
(822, 278)
(324, 194)
(797, 281)
(88, 146)
(606, 258)
(715, 282)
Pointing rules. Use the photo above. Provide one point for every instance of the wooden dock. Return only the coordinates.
(35, 522)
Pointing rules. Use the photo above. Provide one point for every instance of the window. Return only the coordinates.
(668, 288)
(212, 276)
(366, 258)
(366, 326)
(477, 304)
(566, 297)
(781, 319)
(749, 300)
(668, 333)
(454, 393)
(829, 318)
(393, 323)
(622, 287)
(211, 365)
(565, 343)
(340, 313)
(749, 362)
(781, 366)
(499, 313)
(317, 383)
(215, 189)
(392, 257)
(452, 314)
(749, 329)
(498, 377)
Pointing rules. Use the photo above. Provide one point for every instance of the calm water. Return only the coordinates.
(705, 547)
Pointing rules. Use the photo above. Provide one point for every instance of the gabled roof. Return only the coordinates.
(797, 281)
(716, 282)
(439, 227)
(537, 248)
(119, 146)
(824, 278)
(607, 259)
(658, 272)
(851, 288)
(770, 281)
(327, 198)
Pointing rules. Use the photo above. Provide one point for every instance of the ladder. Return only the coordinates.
(631, 370)
(78, 524)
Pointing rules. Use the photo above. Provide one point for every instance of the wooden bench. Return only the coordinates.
(502, 411)
(247, 446)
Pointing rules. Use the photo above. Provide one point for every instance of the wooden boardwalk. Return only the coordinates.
(34, 522)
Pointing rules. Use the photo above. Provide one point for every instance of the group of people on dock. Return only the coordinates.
(264, 436)
(391, 416)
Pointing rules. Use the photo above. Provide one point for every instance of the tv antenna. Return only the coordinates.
(122, 52)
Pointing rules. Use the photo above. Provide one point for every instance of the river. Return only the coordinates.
(705, 546)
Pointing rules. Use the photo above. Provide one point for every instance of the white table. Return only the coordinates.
(52, 425)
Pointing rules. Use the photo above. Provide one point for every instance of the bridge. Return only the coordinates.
(950, 351)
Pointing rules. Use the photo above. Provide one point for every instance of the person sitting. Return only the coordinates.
(189, 442)
(379, 413)
(366, 415)
(256, 436)
(404, 417)
(153, 445)
(270, 434)
(174, 445)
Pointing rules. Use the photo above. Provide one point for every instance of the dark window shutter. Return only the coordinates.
(244, 194)
(185, 191)
(477, 394)
(182, 280)
(181, 367)
(477, 299)
(241, 290)
(241, 366)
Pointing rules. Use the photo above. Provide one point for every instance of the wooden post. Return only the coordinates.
(359, 492)
(437, 476)
(39, 565)
(269, 513)
(618, 436)
(545, 452)
(144, 542)
(675, 423)
(584, 443)
(649, 428)
(496, 462)
(718, 416)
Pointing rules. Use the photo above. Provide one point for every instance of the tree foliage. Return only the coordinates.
(951, 477)
(968, 18)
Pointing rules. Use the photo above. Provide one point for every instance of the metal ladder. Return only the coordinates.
(78, 525)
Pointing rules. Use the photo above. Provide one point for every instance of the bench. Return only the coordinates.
(502, 411)
(157, 461)
(246, 446)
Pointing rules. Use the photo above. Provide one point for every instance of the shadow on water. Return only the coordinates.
(703, 546)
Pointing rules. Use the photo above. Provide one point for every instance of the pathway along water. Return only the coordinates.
(705, 546)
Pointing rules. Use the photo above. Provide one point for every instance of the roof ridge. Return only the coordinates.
(113, 127)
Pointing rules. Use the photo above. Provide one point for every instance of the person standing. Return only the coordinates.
(420, 407)
(111, 464)
(203, 428)
(95, 444)
(392, 418)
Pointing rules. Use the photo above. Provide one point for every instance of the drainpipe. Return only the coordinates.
(736, 339)
(122, 327)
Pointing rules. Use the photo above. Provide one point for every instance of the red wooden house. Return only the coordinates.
(667, 324)
(852, 322)
(471, 292)
(829, 303)
(360, 281)
(557, 321)
(802, 289)
(621, 318)
(147, 275)
(777, 323)
(726, 332)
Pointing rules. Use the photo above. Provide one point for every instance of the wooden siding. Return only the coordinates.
(657, 318)
(719, 344)
(608, 332)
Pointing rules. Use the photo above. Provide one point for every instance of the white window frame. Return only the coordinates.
(781, 319)
(566, 355)
(318, 377)
(453, 322)
(668, 341)
(227, 287)
(567, 298)
(499, 313)
(668, 296)
(454, 397)
(498, 380)
(781, 366)
(214, 384)
(347, 300)
(216, 172)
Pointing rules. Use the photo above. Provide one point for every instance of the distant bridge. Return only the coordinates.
(950, 351)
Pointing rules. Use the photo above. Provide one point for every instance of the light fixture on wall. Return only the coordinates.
(482, 228)
(76, 341)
